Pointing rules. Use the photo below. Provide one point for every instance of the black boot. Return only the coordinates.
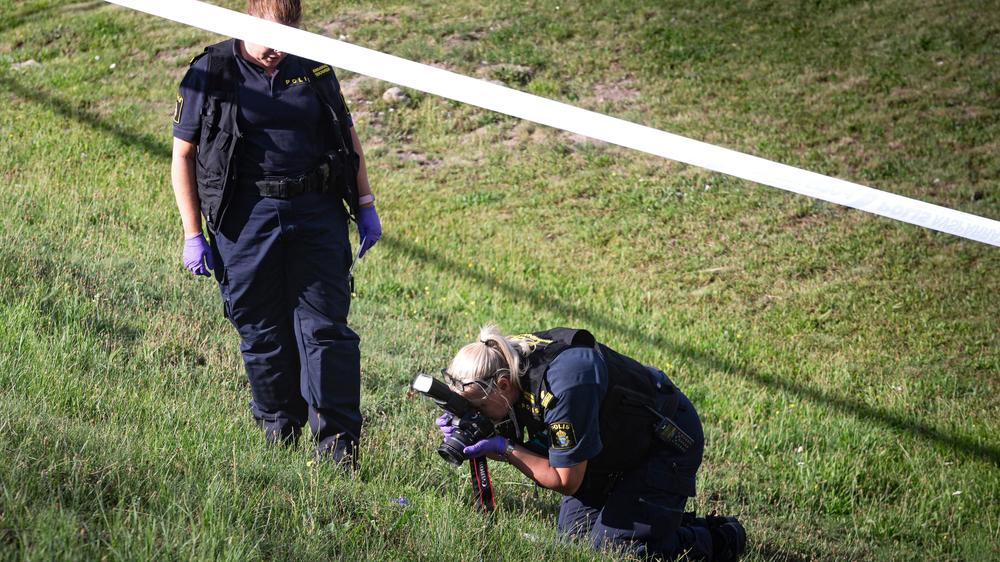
(280, 432)
(729, 538)
(339, 450)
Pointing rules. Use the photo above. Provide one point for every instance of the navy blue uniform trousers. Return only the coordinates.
(282, 267)
(640, 511)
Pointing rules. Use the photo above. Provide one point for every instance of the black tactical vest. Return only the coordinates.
(626, 425)
(219, 139)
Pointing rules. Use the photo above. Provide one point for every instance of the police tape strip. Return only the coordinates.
(568, 118)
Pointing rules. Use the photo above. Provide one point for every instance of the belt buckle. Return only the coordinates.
(304, 182)
(282, 188)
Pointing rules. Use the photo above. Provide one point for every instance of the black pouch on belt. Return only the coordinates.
(342, 178)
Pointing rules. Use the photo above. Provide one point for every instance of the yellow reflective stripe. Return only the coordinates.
(532, 340)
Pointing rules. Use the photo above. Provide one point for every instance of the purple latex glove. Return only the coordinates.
(369, 229)
(444, 423)
(197, 255)
(495, 445)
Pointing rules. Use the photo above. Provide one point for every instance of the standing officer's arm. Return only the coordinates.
(565, 480)
(364, 188)
(182, 174)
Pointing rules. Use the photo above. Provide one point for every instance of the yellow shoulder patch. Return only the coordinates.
(532, 340)
(321, 70)
(178, 107)
(562, 435)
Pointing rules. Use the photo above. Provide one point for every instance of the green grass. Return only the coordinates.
(845, 366)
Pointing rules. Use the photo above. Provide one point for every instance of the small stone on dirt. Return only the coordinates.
(24, 64)
(394, 96)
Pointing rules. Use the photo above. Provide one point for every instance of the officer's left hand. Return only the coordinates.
(495, 445)
(369, 228)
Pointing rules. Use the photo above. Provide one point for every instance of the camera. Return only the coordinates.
(471, 426)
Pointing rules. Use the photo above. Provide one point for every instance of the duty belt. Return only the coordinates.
(288, 187)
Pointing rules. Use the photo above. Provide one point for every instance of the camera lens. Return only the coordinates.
(451, 449)
(472, 428)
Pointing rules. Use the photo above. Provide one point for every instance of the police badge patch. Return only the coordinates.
(562, 435)
(178, 107)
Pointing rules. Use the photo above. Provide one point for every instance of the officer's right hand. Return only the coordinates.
(444, 423)
(197, 255)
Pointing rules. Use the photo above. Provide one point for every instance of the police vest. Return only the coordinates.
(219, 138)
(625, 421)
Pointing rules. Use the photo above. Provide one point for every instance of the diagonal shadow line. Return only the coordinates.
(987, 452)
(28, 15)
(68, 109)
(15, 20)
(843, 404)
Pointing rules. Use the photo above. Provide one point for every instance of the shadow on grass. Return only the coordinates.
(834, 401)
(49, 272)
(156, 146)
(41, 11)
(519, 500)
(772, 554)
(840, 403)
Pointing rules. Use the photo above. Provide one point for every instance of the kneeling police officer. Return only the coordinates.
(616, 438)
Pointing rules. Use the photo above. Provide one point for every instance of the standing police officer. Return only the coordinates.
(615, 437)
(265, 148)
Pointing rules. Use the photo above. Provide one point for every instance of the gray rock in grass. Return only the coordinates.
(395, 96)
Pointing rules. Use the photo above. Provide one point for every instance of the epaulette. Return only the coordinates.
(320, 70)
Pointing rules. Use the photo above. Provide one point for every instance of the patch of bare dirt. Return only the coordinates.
(419, 158)
(344, 24)
(507, 73)
(620, 91)
(580, 139)
(462, 40)
(477, 135)
(84, 6)
(354, 88)
(526, 132)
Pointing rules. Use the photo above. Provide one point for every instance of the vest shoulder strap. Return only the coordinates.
(324, 80)
(222, 74)
(545, 347)
(568, 336)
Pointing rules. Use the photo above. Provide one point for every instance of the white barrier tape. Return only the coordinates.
(568, 118)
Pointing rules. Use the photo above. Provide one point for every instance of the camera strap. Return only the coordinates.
(482, 485)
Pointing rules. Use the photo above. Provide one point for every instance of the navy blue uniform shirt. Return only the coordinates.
(279, 116)
(578, 378)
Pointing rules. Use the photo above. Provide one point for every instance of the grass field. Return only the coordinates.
(846, 366)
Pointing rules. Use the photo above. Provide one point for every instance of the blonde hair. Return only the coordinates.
(493, 355)
(287, 12)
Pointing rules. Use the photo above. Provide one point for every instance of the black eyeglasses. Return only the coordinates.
(485, 385)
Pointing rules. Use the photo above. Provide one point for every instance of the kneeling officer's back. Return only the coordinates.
(617, 438)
